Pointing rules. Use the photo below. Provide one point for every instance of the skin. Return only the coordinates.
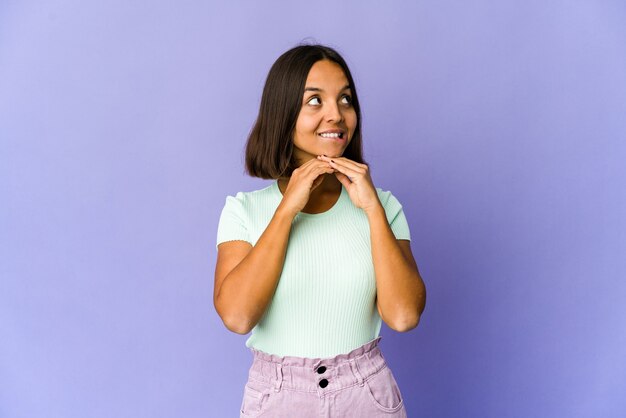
(246, 276)
(400, 289)
(322, 110)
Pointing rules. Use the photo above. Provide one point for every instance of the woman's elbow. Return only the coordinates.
(233, 321)
(405, 324)
(237, 325)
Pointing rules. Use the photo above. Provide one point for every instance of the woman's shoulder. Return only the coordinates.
(251, 196)
(386, 197)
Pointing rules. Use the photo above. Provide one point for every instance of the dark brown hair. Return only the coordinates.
(269, 150)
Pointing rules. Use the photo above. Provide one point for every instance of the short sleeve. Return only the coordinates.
(395, 215)
(233, 224)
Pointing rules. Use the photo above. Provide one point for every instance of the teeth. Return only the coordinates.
(329, 135)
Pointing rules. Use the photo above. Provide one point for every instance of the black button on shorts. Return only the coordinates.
(321, 369)
(323, 383)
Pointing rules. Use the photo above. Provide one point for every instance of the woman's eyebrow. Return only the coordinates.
(347, 86)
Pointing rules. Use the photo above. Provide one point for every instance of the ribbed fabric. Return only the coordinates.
(325, 301)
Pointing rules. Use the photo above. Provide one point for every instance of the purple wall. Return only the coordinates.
(499, 125)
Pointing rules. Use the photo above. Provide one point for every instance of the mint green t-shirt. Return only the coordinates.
(325, 301)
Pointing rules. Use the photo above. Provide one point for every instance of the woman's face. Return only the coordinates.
(327, 119)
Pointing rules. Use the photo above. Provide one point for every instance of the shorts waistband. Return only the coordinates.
(322, 375)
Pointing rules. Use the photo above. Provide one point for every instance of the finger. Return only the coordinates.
(343, 179)
(318, 171)
(307, 166)
(345, 161)
(311, 165)
(348, 171)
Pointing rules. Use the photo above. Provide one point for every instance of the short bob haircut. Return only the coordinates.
(269, 149)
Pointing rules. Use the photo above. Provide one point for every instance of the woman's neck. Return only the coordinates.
(330, 185)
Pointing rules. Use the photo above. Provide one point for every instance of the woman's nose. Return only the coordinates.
(333, 113)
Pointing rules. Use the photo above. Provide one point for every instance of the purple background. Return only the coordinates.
(499, 125)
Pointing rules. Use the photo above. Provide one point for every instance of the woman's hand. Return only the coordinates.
(302, 182)
(356, 179)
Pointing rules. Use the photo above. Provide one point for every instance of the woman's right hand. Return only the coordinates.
(302, 182)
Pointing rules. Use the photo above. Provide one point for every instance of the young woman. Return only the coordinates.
(311, 263)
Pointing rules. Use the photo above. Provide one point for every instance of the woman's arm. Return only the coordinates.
(246, 276)
(401, 294)
(400, 290)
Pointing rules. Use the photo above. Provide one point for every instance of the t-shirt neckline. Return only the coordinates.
(332, 209)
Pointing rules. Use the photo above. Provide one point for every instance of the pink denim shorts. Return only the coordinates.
(357, 384)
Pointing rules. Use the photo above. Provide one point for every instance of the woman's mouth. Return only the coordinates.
(338, 136)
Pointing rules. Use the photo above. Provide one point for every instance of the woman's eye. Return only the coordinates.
(345, 98)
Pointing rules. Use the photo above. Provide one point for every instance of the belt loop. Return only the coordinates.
(356, 372)
(279, 377)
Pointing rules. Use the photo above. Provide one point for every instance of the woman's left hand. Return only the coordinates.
(356, 179)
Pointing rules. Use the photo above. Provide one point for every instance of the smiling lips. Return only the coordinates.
(333, 134)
